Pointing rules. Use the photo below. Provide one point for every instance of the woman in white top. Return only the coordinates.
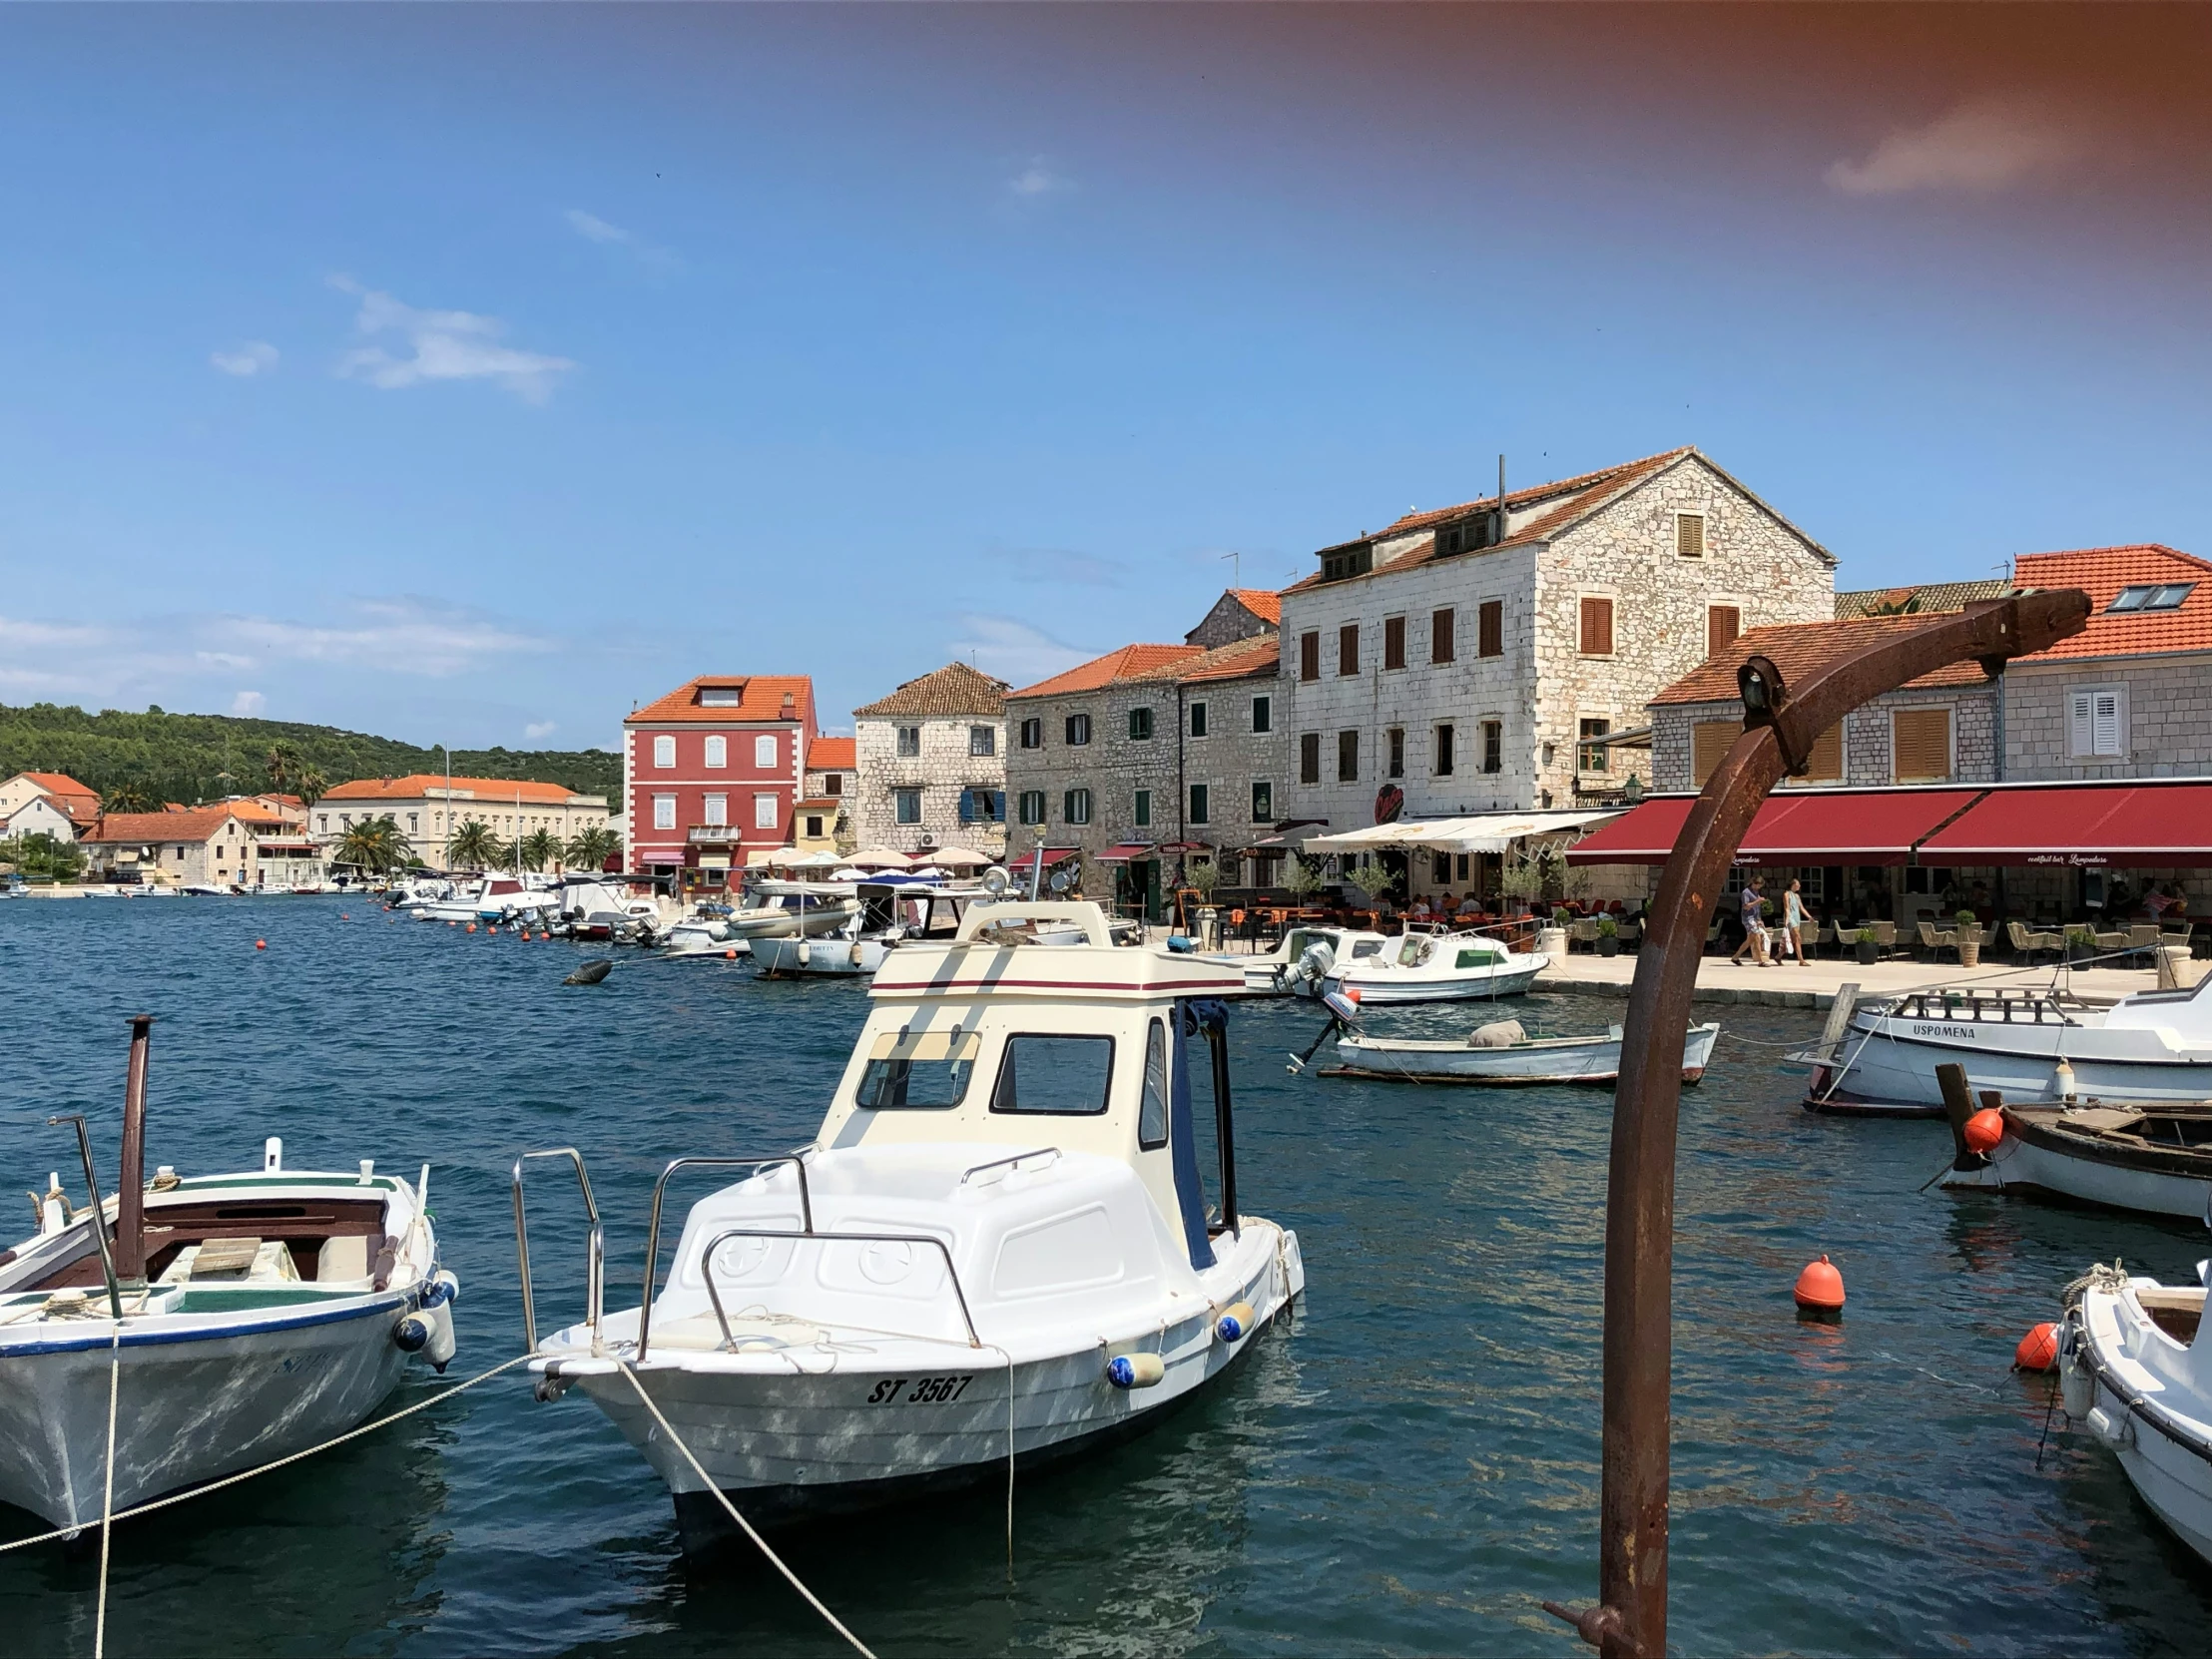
(1793, 923)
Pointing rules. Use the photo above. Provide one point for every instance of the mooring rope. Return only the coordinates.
(248, 1475)
(723, 1497)
(107, 1500)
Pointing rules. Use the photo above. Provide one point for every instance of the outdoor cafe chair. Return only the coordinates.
(2026, 941)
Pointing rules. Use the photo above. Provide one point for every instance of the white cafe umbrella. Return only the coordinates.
(879, 857)
(820, 860)
(958, 857)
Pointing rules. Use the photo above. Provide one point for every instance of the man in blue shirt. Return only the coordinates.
(1754, 932)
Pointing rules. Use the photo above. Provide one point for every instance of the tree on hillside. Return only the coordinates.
(475, 846)
(42, 856)
(539, 848)
(126, 797)
(284, 766)
(374, 845)
(591, 848)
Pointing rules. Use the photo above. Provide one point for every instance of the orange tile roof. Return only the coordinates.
(2102, 572)
(955, 688)
(77, 801)
(1264, 603)
(1798, 649)
(416, 786)
(831, 754)
(1238, 660)
(194, 823)
(762, 699)
(1130, 662)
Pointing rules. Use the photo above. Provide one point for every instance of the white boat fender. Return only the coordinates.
(1235, 1321)
(2078, 1389)
(1135, 1370)
(2114, 1431)
(429, 1331)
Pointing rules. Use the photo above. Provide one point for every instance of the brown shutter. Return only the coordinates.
(1825, 763)
(1689, 535)
(1440, 642)
(1308, 656)
(1348, 649)
(1394, 642)
(1309, 757)
(1492, 626)
(1920, 740)
(1709, 743)
(1722, 624)
(1597, 626)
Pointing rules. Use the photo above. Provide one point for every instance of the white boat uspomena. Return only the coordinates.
(1504, 1054)
(1001, 1245)
(261, 1315)
(1439, 967)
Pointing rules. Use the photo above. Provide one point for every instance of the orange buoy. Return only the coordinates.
(260, 944)
(342, 917)
(2039, 1349)
(1819, 1286)
(1984, 1130)
(472, 927)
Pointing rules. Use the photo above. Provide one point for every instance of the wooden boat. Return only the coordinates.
(1000, 1247)
(248, 1317)
(2131, 1372)
(2154, 1157)
(1508, 1057)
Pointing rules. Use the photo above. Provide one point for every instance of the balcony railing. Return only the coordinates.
(711, 835)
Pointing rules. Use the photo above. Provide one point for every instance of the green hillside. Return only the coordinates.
(164, 757)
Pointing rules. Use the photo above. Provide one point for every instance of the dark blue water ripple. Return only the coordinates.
(1407, 1471)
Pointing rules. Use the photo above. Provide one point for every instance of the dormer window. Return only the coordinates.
(1469, 535)
(720, 697)
(1357, 561)
(2152, 596)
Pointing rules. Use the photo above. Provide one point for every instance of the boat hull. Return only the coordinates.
(1383, 989)
(793, 958)
(2031, 1168)
(2147, 1414)
(1594, 1060)
(190, 1407)
(1895, 1059)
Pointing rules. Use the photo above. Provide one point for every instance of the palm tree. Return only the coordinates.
(125, 797)
(309, 784)
(539, 848)
(474, 846)
(285, 768)
(591, 848)
(374, 845)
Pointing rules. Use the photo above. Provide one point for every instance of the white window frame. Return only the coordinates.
(664, 811)
(664, 752)
(1071, 800)
(715, 809)
(764, 753)
(763, 810)
(717, 753)
(2083, 741)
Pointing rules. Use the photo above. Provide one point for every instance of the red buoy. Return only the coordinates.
(1820, 1286)
(472, 927)
(2039, 1349)
(342, 917)
(260, 944)
(1984, 1130)
(731, 955)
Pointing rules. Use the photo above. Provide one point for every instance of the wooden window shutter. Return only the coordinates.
(1709, 743)
(2104, 723)
(1597, 626)
(1722, 624)
(1441, 646)
(1922, 742)
(1348, 649)
(1394, 642)
(1492, 626)
(1689, 535)
(1308, 656)
(1824, 765)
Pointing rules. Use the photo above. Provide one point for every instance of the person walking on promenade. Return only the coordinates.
(1754, 932)
(1793, 922)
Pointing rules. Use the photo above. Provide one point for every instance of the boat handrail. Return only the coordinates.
(797, 1161)
(707, 1269)
(99, 1212)
(1008, 1163)
(595, 1248)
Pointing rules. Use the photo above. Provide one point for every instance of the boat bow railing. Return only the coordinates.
(797, 1161)
(595, 1265)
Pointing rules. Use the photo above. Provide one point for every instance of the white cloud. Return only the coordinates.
(1037, 180)
(1983, 144)
(540, 729)
(445, 346)
(256, 357)
(405, 635)
(594, 229)
(249, 702)
(1013, 650)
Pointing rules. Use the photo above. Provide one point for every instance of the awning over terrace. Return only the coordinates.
(2153, 825)
(1485, 833)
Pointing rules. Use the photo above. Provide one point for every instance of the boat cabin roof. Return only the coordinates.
(998, 952)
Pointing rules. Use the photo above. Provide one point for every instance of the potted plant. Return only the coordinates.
(1521, 880)
(1969, 939)
(1868, 946)
(1302, 878)
(1608, 936)
(2082, 945)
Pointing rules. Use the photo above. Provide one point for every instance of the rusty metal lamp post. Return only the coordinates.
(1780, 724)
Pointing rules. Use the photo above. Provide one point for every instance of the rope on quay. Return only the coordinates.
(248, 1475)
(723, 1497)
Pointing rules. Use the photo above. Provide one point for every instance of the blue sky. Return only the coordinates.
(470, 375)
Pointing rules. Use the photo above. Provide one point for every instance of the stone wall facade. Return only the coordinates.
(1233, 756)
(946, 768)
(1114, 766)
(2168, 726)
(1867, 737)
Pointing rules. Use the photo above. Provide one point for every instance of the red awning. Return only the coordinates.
(1126, 853)
(1799, 828)
(1052, 855)
(2129, 825)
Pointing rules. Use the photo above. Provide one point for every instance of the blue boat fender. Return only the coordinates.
(443, 1286)
(1135, 1370)
(1235, 1321)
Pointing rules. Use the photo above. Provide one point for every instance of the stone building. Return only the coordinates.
(194, 847)
(823, 820)
(930, 764)
(1239, 614)
(428, 808)
(1476, 658)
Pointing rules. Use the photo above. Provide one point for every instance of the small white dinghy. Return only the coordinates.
(248, 1317)
(2131, 1369)
(1504, 1053)
(1001, 1247)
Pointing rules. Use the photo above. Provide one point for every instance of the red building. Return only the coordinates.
(709, 772)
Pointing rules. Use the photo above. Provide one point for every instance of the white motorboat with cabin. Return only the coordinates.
(1001, 1247)
(2133, 1371)
(473, 900)
(2154, 1045)
(1504, 1053)
(775, 909)
(890, 916)
(1301, 959)
(1439, 967)
(247, 1317)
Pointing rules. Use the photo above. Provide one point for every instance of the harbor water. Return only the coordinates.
(1408, 1469)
